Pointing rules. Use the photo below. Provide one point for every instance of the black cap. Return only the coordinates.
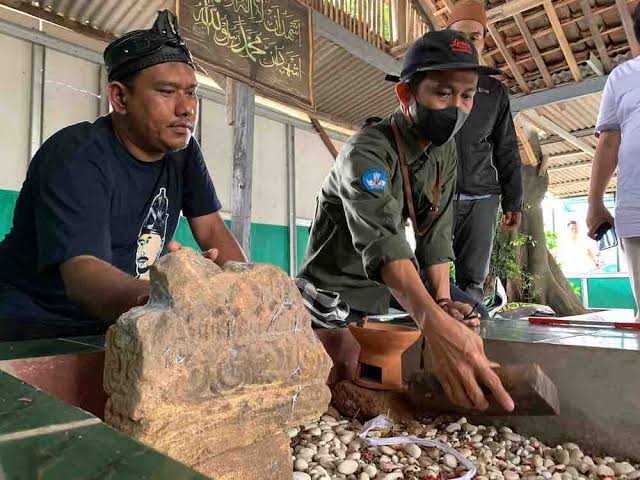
(141, 49)
(441, 50)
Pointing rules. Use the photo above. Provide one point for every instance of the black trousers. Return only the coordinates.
(473, 231)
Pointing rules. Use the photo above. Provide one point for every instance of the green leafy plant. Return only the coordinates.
(552, 240)
(505, 261)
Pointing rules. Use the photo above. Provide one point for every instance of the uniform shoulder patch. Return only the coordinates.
(374, 180)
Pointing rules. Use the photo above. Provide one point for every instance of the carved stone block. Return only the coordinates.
(215, 368)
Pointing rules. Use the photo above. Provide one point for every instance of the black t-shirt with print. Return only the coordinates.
(85, 194)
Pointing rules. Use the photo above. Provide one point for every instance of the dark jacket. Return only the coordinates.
(358, 226)
(488, 156)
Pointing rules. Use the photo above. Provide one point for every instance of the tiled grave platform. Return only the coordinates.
(597, 372)
(44, 437)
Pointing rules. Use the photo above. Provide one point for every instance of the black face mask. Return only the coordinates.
(437, 126)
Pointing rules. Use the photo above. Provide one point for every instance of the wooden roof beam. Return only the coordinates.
(429, 9)
(545, 124)
(595, 35)
(515, 71)
(627, 23)
(530, 156)
(510, 8)
(533, 48)
(562, 40)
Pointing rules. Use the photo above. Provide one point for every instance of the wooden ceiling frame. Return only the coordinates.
(627, 23)
(590, 19)
(504, 51)
(533, 48)
(562, 40)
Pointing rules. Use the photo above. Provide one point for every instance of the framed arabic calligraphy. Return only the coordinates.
(265, 43)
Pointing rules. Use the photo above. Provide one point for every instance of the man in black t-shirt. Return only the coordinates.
(102, 200)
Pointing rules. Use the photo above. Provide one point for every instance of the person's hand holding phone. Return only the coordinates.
(597, 216)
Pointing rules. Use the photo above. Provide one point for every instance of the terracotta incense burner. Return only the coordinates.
(381, 349)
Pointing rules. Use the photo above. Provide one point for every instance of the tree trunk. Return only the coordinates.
(549, 286)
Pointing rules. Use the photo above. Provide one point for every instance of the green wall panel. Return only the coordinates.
(303, 239)
(7, 204)
(269, 243)
(184, 236)
(610, 293)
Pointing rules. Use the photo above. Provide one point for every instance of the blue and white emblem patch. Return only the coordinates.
(374, 180)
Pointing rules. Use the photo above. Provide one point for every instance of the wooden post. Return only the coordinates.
(324, 137)
(243, 130)
(627, 23)
(290, 135)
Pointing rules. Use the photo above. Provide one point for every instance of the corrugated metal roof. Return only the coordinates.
(368, 93)
(113, 17)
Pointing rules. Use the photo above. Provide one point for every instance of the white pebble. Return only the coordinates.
(364, 476)
(393, 476)
(301, 476)
(509, 475)
(386, 450)
(605, 471)
(347, 437)
(348, 467)
(370, 470)
(293, 432)
(512, 437)
(450, 460)
(412, 450)
(301, 465)
(623, 468)
(453, 427)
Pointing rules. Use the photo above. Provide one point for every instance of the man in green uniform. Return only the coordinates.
(405, 167)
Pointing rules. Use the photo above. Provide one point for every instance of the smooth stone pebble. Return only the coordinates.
(301, 476)
(412, 450)
(562, 456)
(328, 436)
(364, 476)
(347, 467)
(453, 427)
(509, 475)
(301, 465)
(347, 437)
(512, 437)
(393, 476)
(370, 470)
(386, 450)
(450, 461)
(634, 476)
(623, 468)
(293, 432)
(605, 471)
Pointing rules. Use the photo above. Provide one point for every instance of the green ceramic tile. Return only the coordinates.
(42, 348)
(95, 452)
(23, 407)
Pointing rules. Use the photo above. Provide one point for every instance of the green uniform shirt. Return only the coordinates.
(359, 223)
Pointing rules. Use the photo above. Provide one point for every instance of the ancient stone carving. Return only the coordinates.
(215, 368)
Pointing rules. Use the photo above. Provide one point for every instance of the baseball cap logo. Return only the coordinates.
(460, 46)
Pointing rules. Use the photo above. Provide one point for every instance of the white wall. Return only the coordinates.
(15, 81)
(217, 148)
(269, 190)
(71, 91)
(313, 163)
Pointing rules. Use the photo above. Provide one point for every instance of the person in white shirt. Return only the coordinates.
(576, 253)
(618, 132)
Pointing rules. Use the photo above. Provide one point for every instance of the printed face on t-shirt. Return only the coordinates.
(149, 248)
(152, 234)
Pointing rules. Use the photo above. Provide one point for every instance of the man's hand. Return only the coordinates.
(597, 214)
(461, 311)
(461, 365)
(211, 254)
(511, 220)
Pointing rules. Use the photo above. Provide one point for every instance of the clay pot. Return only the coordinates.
(381, 349)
